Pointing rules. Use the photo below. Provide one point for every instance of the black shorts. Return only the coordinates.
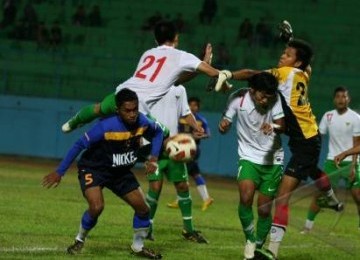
(119, 182)
(304, 160)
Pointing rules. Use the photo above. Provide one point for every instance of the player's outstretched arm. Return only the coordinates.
(206, 57)
(244, 74)
(338, 158)
(220, 83)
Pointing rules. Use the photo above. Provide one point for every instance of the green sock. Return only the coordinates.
(152, 200)
(311, 215)
(247, 221)
(185, 204)
(84, 116)
(263, 227)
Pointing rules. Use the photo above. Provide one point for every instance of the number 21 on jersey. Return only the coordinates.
(149, 62)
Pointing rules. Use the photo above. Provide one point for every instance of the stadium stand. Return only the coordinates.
(91, 61)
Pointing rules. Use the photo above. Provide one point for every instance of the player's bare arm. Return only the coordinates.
(244, 74)
(338, 158)
(206, 57)
(198, 131)
(221, 82)
(279, 125)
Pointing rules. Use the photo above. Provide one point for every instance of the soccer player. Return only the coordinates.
(293, 73)
(158, 69)
(168, 111)
(343, 127)
(193, 166)
(111, 148)
(257, 111)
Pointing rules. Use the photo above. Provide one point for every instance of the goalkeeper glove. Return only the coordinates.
(286, 32)
(223, 76)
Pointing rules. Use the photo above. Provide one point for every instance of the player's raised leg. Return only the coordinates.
(328, 198)
(89, 113)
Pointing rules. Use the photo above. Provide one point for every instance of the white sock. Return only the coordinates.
(309, 224)
(203, 192)
(82, 234)
(274, 248)
(276, 235)
(138, 239)
(330, 194)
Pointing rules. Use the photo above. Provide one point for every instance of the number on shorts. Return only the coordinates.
(88, 179)
(149, 61)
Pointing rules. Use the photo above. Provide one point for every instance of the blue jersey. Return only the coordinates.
(184, 127)
(111, 144)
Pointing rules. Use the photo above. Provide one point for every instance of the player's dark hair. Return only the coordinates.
(304, 52)
(264, 81)
(194, 99)
(340, 89)
(165, 31)
(125, 95)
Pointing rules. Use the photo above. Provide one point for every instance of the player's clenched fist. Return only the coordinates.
(224, 126)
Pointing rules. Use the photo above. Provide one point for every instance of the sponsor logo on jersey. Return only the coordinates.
(329, 117)
(122, 159)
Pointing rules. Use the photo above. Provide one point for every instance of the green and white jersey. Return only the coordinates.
(253, 145)
(341, 129)
(171, 107)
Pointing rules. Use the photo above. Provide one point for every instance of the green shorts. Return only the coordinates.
(343, 173)
(266, 177)
(174, 171)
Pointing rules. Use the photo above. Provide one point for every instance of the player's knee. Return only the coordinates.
(97, 108)
(264, 211)
(143, 211)
(246, 198)
(155, 186)
(182, 186)
(95, 209)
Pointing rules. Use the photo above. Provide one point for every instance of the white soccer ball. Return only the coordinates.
(181, 148)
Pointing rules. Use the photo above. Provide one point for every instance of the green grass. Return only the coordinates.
(36, 223)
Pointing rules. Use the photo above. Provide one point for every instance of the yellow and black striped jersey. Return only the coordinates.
(293, 86)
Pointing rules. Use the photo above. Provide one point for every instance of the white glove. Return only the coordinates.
(223, 76)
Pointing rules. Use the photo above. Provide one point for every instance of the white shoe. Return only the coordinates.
(249, 251)
(66, 128)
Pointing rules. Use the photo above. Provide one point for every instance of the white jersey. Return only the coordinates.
(341, 129)
(171, 107)
(158, 69)
(253, 144)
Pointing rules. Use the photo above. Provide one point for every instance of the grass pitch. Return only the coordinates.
(36, 223)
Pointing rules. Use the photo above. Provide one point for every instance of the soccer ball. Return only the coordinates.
(181, 148)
